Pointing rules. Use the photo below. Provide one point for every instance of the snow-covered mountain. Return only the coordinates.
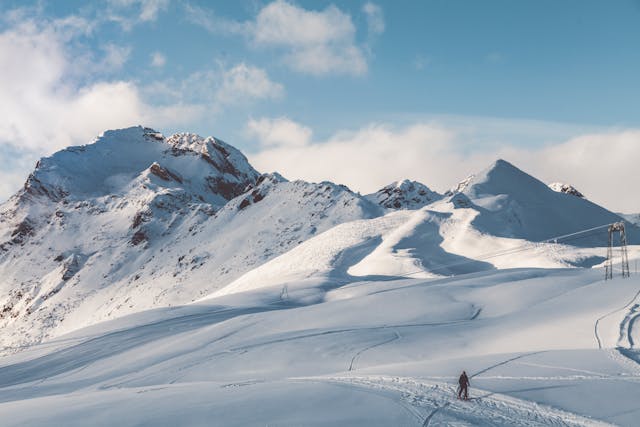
(510, 203)
(135, 221)
(404, 195)
(164, 281)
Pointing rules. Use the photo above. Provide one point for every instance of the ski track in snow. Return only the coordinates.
(625, 326)
(429, 400)
(396, 336)
(436, 405)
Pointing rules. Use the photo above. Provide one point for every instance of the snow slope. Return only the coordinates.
(161, 281)
(540, 347)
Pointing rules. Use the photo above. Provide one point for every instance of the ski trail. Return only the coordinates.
(434, 412)
(504, 362)
(355, 357)
(595, 327)
(433, 399)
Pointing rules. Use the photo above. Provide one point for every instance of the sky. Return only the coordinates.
(361, 93)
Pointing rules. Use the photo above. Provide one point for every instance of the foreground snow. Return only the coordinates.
(542, 347)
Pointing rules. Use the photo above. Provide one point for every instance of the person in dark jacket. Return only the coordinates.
(463, 389)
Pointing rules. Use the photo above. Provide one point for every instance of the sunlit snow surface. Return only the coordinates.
(169, 283)
(366, 353)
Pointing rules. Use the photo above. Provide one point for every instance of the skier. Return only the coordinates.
(463, 386)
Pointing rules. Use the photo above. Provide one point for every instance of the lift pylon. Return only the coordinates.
(608, 272)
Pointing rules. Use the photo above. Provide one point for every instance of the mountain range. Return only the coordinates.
(135, 221)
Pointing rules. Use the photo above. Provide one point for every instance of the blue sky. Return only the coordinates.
(361, 93)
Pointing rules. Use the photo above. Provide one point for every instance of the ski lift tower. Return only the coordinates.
(613, 228)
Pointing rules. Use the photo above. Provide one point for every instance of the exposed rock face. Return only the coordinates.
(163, 173)
(404, 195)
(460, 187)
(565, 188)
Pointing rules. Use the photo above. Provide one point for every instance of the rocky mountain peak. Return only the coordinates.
(404, 194)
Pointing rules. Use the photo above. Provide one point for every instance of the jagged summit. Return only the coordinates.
(404, 194)
(119, 160)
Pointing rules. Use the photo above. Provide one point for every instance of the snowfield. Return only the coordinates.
(542, 347)
(162, 281)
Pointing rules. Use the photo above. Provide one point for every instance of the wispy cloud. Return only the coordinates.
(216, 88)
(115, 56)
(158, 60)
(245, 82)
(316, 42)
(121, 11)
(375, 18)
(209, 20)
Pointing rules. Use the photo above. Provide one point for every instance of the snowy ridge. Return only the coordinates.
(174, 220)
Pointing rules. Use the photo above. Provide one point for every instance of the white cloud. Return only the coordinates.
(146, 11)
(375, 18)
(601, 165)
(316, 42)
(115, 56)
(280, 132)
(244, 82)
(213, 23)
(217, 88)
(158, 60)
(47, 101)
(310, 41)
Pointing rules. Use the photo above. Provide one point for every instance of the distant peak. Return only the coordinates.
(501, 169)
(502, 164)
(501, 177)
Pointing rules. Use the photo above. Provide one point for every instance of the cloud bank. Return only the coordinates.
(601, 165)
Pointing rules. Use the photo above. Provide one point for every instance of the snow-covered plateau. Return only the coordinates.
(152, 280)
